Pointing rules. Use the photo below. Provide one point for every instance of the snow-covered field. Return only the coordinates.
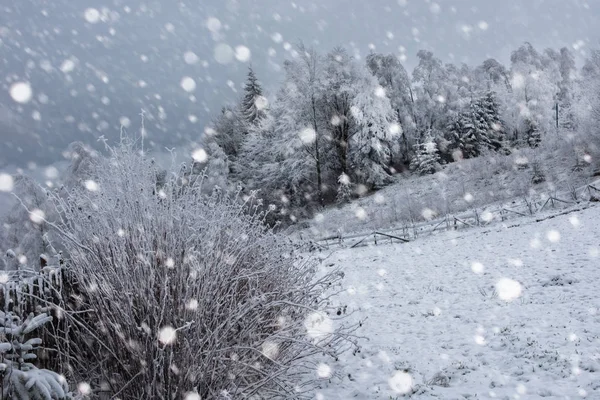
(509, 312)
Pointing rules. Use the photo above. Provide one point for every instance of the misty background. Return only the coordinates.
(94, 65)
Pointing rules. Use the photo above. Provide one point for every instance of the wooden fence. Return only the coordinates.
(467, 219)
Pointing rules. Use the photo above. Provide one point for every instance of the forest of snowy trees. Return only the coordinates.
(338, 127)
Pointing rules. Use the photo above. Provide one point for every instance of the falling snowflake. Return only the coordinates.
(91, 185)
(192, 396)
(308, 135)
(213, 24)
(199, 155)
(37, 216)
(6, 183)
(192, 305)
(84, 388)
(167, 335)
(223, 53)
(242, 53)
(508, 289)
(261, 103)
(190, 57)
(394, 129)
(21, 92)
(360, 213)
(401, 382)
(324, 371)
(477, 267)
(92, 15)
(380, 91)
(553, 236)
(67, 66)
(276, 37)
(188, 84)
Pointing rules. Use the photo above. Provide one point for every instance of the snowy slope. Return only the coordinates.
(461, 186)
(502, 312)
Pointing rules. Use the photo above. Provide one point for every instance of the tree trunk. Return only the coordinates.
(317, 153)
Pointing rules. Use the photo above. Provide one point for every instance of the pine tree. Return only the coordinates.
(20, 378)
(481, 127)
(426, 158)
(462, 134)
(492, 132)
(532, 133)
(252, 103)
(344, 191)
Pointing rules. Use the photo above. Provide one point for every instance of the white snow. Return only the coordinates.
(21, 92)
(437, 324)
(308, 135)
(213, 24)
(190, 57)
(6, 182)
(199, 155)
(223, 53)
(242, 53)
(167, 335)
(92, 15)
(188, 84)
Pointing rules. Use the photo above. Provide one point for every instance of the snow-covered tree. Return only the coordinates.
(228, 131)
(462, 135)
(253, 104)
(21, 379)
(395, 80)
(429, 78)
(486, 112)
(301, 122)
(426, 158)
(534, 83)
(28, 234)
(344, 191)
(377, 133)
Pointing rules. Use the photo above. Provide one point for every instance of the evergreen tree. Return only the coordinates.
(344, 191)
(372, 145)
(462, 134)
(532, 133)
(228, 132)
(495, 132)
(426, 158)
(252, 107)
(20, 378)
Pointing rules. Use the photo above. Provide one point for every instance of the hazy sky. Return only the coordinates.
(93, 64)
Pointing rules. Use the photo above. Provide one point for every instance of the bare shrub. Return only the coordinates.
(188, 292)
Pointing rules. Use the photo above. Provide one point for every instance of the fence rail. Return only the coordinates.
(476, 217)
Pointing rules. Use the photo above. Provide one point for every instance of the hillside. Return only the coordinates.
(501, 312)
(482, 183)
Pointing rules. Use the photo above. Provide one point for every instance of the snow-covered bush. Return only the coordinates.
(21, 380)
(189, 293)
(538, 175)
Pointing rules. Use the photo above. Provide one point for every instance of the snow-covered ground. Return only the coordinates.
(508, 311)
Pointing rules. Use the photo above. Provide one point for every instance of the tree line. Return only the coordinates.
(338, 128)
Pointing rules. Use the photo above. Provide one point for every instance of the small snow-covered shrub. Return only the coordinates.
(189, 293)
(21, 380)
